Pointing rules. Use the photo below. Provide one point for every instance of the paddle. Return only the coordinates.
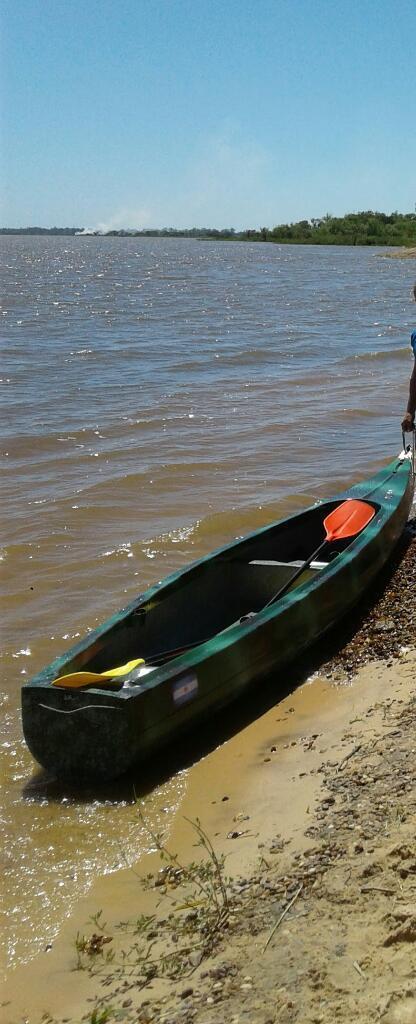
(347, 520)
(111, 676)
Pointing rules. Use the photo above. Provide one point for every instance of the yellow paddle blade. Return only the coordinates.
(123, 670)
(74, 680)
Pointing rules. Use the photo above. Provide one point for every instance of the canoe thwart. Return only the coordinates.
(292, 565)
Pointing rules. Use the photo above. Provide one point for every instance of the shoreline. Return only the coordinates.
(404, 253)
(396, 250)
(294, 782)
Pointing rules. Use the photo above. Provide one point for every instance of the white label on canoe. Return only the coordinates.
(185, 688)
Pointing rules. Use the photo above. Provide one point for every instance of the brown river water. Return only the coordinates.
(161, 397)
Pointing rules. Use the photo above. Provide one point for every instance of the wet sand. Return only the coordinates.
(256, 797)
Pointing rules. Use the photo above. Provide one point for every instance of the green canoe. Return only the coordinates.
(199, 649)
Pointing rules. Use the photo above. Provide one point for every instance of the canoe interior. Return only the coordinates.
(213, 594)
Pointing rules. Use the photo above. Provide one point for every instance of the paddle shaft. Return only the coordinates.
(175, 651)
(295, 576)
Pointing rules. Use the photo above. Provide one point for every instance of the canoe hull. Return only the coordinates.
(99, 735)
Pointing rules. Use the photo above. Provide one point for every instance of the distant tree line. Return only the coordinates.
(365, 228)
(40, 231)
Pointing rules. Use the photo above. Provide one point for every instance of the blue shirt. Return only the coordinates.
(413, 343)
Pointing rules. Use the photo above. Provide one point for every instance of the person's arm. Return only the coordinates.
(408, 421)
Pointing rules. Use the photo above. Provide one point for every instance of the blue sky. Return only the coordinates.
(137, 113)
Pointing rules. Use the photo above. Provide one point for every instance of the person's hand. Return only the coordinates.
(408, 423)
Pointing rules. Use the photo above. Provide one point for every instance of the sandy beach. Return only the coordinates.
(312, 805)
(408, 253)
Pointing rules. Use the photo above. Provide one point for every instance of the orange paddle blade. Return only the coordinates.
(348, 519)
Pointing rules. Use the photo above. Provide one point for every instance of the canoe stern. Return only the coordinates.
(82, 740)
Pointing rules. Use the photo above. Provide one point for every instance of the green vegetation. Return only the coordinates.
(40, 231)
(197, 902)
(366, 228)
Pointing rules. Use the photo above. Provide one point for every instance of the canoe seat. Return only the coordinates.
(292, 565)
